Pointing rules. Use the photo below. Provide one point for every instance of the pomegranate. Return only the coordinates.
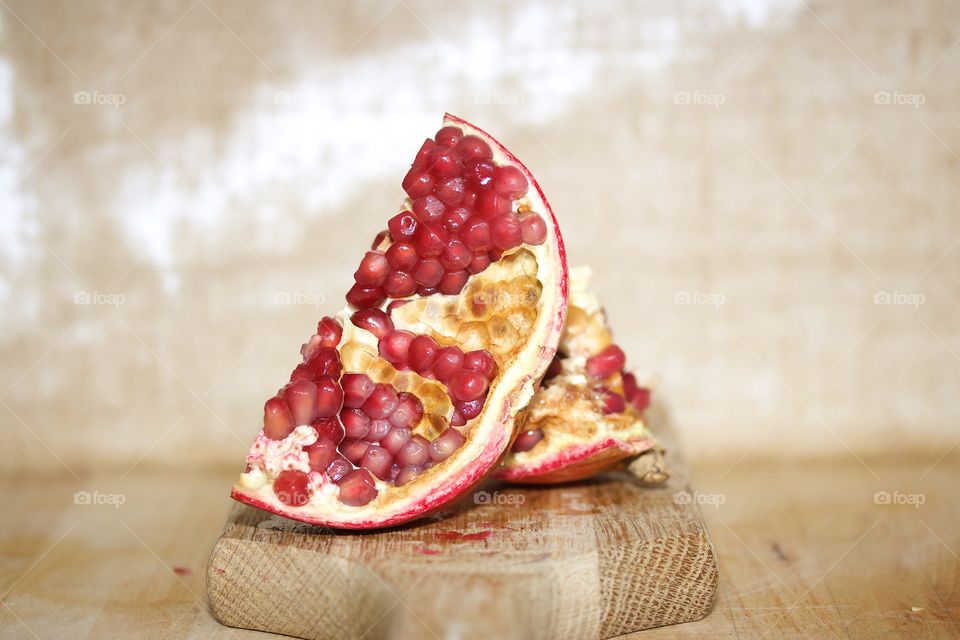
(407, 398)
(587, 417)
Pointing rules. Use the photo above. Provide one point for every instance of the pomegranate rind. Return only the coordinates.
(579, 440)
(492, 432)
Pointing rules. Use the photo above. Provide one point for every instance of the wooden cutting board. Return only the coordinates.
(594, 559)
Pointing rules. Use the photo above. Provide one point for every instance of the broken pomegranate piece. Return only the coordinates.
(408, 397)
(587, 417)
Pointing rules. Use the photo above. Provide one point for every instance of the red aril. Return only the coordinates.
(356, 423)
(357, 488)
(399, 285)
(448, 362)
(606, 363)
(373, 270)
(422, 353)
(301, 397)
(402, 257)
(378, 461)
(290, 488)
(278, 421)
(418, 182)
(429, 209)
(428, 273)
(376, 321)
(329, 397)
(381, 402)
(445, 444)
(357, 387)
(402, 226)
(476, 235)
(321, 454)
(329, 428)
(395, 346)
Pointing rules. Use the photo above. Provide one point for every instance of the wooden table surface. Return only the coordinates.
(803, 547)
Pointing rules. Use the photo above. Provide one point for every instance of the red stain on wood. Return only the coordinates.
(182, 571)
(457, 536)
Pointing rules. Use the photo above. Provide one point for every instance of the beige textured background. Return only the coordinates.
(781, 166)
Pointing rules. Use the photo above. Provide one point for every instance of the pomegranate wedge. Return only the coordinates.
(408, 397)
(588, 415)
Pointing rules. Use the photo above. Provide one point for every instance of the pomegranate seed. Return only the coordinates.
(629, 386)
(357, 387)
(415, 451)
(354, 450)
(378, 460)
(329, 331)
(427, 291)
(395, 304)
(528, 440)
(365, 297)
(423, 352)
(606, 363)
(408, 473)
(469, 199)
(381, 402)
(397, 437)
(640, 399)
(376, 321)
(378, 430)
(450, 191)
(444, 163)
(510, 182)
(373, 270)
(329, 428)
(479, 262)
(329, 397)
(491, 204)
(455, 219)
(321, 454)
(402, 226)
(429, 240)
(399, 285)
(612, 402)
(394, 471)
(482, 362)
(467, 385)
(324, 362)
(448, 136)
(418, 182)
(302, 398)
(356, 423)
(291, 489)
(429, 208)
(453, 282)
(409, 411)
(357, 488)
(445, 444)
(449, 361)
(473, 147)
(456, 256)
(278, 421)
(457, 419)
(423, 155)
(479, 172)
(402, 256)
(476, 234)
(469, 410)
(505, 232)
(339, 468)
(301, 372)
(395, 346)
(428, 273)
(533, 229)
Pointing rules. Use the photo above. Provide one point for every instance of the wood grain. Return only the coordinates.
(587, 560)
